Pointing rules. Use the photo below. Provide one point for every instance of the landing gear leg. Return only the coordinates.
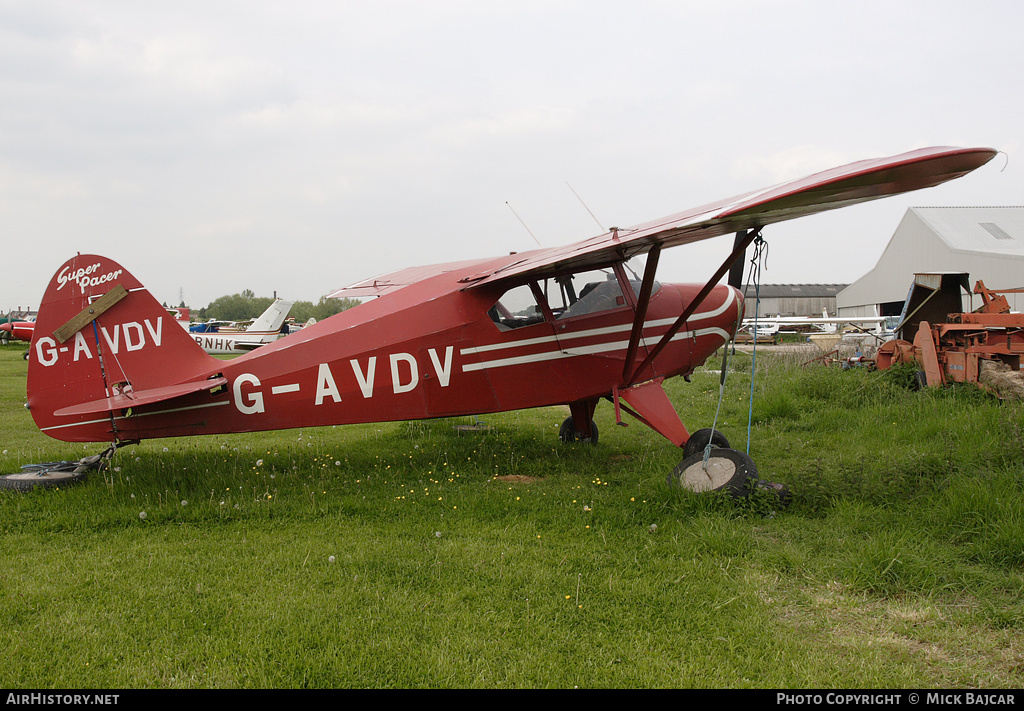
(580, 427)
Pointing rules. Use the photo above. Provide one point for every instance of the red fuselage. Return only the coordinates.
(430, 349)
(19, 330)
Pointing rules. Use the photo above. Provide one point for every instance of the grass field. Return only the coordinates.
(420, 555)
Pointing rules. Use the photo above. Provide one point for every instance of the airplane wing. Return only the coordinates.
(838, 187)
(385, 283)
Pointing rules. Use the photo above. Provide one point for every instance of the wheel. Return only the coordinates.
(920, 380)
(25, 355)
(699, 440)
(726, 470)
(567, 432)
(34, 477)
(53, 474)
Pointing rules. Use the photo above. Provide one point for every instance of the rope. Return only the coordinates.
(757, 262)
(721, 393)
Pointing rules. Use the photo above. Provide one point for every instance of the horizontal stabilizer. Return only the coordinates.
(125, 400)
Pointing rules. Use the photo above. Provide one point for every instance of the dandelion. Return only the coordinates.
(330, 559)
(259, 462)
(184, 502)
(142, 515)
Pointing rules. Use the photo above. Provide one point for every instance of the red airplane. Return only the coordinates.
(566, 325)
(18, 330)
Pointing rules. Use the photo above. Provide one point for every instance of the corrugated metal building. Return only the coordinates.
(986, 242)
(793, 299)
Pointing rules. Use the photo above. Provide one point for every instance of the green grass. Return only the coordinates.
(499, 558)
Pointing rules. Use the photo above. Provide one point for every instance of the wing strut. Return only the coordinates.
(742, 241)
(640, 312)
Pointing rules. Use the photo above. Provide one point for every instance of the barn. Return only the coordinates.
(793, 299)
(985, 242)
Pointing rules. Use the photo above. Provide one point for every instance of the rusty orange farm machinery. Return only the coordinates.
(951, 345)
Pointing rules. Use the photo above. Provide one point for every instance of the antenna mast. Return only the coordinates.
(586, 208)
(524, 225)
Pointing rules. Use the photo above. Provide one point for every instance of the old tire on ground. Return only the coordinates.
(41, 478)
(567, 432)
(699, 440)
(726, 470)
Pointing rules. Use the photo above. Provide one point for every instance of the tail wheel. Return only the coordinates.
(725, 470)
(568, 433)
(699, 441)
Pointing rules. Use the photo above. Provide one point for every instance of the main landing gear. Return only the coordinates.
(569, 433)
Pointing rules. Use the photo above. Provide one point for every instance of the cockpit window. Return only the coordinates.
(568, 296)
(589, 293)
(516, 308)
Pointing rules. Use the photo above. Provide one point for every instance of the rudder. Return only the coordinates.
(93, 341)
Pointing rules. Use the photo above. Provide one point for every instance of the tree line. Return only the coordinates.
(240, 307)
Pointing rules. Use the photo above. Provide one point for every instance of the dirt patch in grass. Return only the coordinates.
(520, 478)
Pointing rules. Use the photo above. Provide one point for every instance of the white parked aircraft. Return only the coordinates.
(265, 329)
(828, 324)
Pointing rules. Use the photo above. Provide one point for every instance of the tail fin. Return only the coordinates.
(272, 319)
(103, 343)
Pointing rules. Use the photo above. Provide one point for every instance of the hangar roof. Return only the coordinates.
(993, 230)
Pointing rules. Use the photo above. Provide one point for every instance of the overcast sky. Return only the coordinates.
(212, 147)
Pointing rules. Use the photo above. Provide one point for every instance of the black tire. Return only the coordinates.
(31, 478)
(25, 355)
(567, 432)
(53, 474)
(699, 440)
(920, 380)
(727, 470)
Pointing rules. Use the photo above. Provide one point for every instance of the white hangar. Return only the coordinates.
(985, 242)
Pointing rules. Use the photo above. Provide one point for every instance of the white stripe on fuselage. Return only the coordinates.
(568, 352)
(584, 350)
